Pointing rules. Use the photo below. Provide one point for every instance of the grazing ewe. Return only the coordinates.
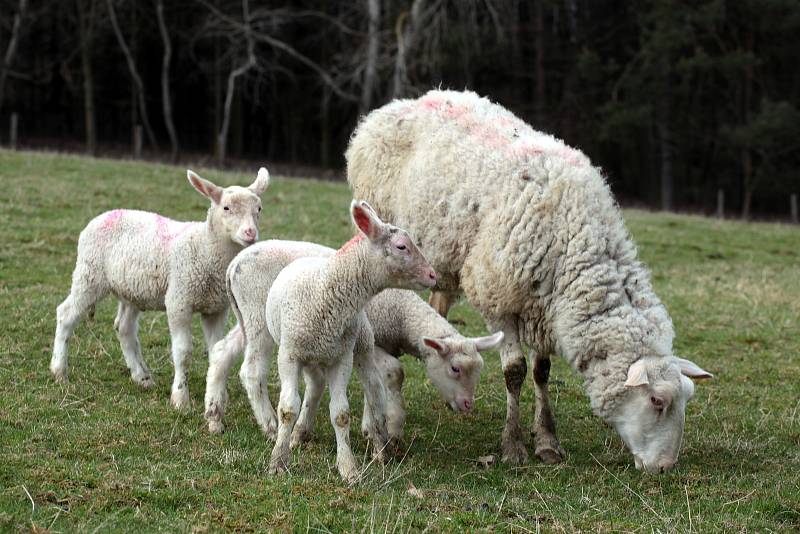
(402, 323)
(315, 312)
(528, 229)
(150, 262)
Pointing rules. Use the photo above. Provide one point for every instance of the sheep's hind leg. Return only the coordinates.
(514, 369)
(547, 447)
(314, 378)
(82, 297)
(220, 359)
(254, 375)
(127, 326)
(374, 397)
(288, 409)
(180, 329)
(213, 328)
(441, 301)
(338, 376)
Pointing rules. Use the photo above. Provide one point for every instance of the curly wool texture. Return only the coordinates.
(519, 221)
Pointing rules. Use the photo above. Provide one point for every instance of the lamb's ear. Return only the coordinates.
(692, 370)
(204, 187)
(438, 345)
(366, 220)
(637, 375)
(261, 183)
(488, 342)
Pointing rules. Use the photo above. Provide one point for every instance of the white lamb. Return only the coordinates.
(150, 262)
(315, 313)
(529, 230)
(402, 323)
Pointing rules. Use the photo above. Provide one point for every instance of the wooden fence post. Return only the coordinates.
(720, 203)
(793, 206)
(137, 141)
(12, 135)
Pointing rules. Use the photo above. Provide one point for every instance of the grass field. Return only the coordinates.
(100, 454)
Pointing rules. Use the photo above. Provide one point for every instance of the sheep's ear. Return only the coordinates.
(637, 375)
(692, 370)
(204, 187)
(488, 342)
(438, 345)
(366, 220)
(261, 183)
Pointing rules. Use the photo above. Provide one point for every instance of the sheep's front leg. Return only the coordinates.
(514, 369)
(369, 375)
(314, 378)
(179, 319)
(254, 375)
(338, 376)
(220, 360)
(547, 447)
(214, 328)
(127, 326)
(441, 301)
(288, 410)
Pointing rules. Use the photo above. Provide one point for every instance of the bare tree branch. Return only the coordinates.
(166, 98)
(11, 50)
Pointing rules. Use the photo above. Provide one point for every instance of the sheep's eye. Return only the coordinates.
(226, 208)
(400, 247)
(259, 209)
(455, 369)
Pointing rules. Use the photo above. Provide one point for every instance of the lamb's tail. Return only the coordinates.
(229, 273)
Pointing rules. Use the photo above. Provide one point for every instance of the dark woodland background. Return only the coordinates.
(676, 100)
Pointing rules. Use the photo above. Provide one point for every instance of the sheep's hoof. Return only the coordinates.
(549, 451)
(215, 427)
(180, 400)
(348, 470)
(514, 453)
(300, 436)
(60, 376)
(145, 381)
(278, 466)
(270, 430)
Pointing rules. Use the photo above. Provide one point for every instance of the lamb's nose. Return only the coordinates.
(467, 405)
(250, 233)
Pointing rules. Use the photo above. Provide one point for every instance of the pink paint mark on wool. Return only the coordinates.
(111, 219)
(168, 230)
(431, 102)
(350, 244)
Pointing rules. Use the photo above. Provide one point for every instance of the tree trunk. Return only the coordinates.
(86, 30)
(747, 155)
(166, 98)
(325, 128)
(373, 48)
(405, 31)
(11, 49)
(134, 73)
(541, 95)
(747, 177)
(222, 136)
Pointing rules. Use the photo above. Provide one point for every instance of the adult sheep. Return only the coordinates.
(528, 229)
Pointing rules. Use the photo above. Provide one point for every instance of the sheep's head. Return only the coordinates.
(234, 210)
(406, 266)
(650, 418)
(454, 366)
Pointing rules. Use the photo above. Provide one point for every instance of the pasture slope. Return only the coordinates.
(102, 455)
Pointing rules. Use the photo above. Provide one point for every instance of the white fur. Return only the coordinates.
(150, 262)
(399, 320)
(528, 229)
(314, 311)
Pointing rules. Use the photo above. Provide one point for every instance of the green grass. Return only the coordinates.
(100, 454)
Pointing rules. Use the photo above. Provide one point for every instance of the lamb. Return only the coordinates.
(402, 323)
(149, 262)
(315, 313)
(528, 230)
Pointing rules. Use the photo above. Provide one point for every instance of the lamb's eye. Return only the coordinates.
(259, 209)
(226, 208)
(400, 247)
(455, 369)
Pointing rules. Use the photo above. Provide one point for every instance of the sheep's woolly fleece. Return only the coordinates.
(519, 221)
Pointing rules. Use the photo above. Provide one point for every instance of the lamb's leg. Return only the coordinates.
(214, 328)
(547, 447)
(127, 325)
(83, 296)
(220, 360)
(254, 375)
(514, 369)
(441, 302)
(314, 378)
(369, 375)
(338, 376)
(179, 320)
(392, 372)
(288, 409)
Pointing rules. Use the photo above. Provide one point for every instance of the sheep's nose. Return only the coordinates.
(250, 234)
(666, 465)
(467, 403)
(432, 275)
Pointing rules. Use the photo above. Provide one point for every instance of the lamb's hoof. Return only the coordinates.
(348, 470)
(278, 467)
(60, 375)
(270, 430)
(145, 381)
(180, 400)
(300, 436)
(215, 427)
(550, 451)
(514, 453)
